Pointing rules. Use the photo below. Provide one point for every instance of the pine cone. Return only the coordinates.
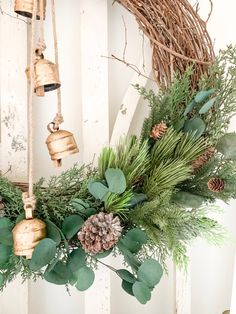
(202, 159)
(100, 233)
(158, 131)
(2, 211)
(216, 185)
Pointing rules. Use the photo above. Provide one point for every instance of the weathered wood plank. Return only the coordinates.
(131, 100)
(13, 142)
(95, 109)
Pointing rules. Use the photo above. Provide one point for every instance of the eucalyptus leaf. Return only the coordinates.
(59, 275)
(134, 240)
(178, 125)
(77, 260)
(6, 237)
(150, 272)
(84, 211)
(43, 253)
(80, 202)
(227, 146)
(53, 232)
(128, 256)
(188, 200)
(86, 278)
(98, 190)
(71, 225)
(141, 292)
(103, 254)
(127, 287)
(1, 280)
(208, 105)
(126, 275)
(5, 223)
(20, 218)
(189, 107)
(116, 180)
(196, 126)
(203, 95)
(137, 199)
(5, 253)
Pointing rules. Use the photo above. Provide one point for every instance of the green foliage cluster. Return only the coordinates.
(161, 200)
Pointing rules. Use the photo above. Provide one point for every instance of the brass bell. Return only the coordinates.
(26, 235)
(60, 144)
(25, 8)
(46, 76)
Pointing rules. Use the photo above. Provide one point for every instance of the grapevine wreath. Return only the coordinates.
(148, 197)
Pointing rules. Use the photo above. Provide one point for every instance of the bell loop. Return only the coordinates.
(52, 128)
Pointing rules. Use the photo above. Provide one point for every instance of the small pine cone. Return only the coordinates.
(202, 159)
(158, 131)
(100, 233)
(2, 212)
(216, 185)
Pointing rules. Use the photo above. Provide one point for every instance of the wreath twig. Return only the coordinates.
(177, 34)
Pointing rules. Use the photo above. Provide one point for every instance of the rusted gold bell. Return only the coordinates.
(26, 235)
(46, 76)
(60, 144)
(25, 8)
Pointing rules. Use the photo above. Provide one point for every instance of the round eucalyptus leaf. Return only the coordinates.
(103, 254)
(126, 275)
(53, 232)
(59, 275)
(1, 280)
(71, 225)
(5, 253)
(6, 237)
(127, 287)
(98, 190)
(227, 146)
(141, 292)
(86, 278)
(76, 260)
(43, 253)
(188, 200)
(196, 126)
(150, 272)
(5, 223)
(116, 180)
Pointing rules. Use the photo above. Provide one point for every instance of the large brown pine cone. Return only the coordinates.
(100, 232)
(158, 131)
(201, 160)
(216, 185)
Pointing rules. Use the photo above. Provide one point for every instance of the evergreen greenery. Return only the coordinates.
(162, 202)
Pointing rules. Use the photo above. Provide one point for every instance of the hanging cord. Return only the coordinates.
(41, 46)
(28, 198)
(58, 118)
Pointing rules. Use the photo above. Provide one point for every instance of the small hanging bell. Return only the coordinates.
(46, 75)
(60, 144)
(26, 235)
(25, 8)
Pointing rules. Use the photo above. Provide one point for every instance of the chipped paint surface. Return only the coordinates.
(13, 96)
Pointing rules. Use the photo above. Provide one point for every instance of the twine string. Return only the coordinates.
(28, 197)
(58, 118)
(41, 46)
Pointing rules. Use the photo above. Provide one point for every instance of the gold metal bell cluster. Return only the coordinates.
(60, 144)
(25, 8)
